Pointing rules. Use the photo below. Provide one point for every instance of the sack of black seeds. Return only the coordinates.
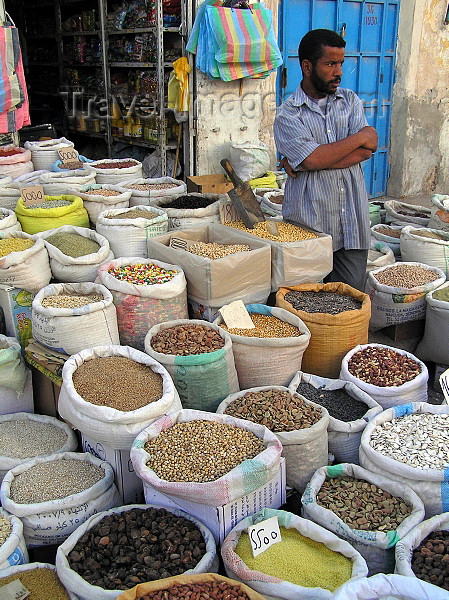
(191, 210)
(349, 408)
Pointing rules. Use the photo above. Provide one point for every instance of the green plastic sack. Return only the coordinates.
(267, 181)
(13, 373)
(34, 220)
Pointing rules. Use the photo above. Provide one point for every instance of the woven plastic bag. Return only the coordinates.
(250, 159)
(379, 255)
(432, 347)
(56, 166)
(31, 566)
(113, 174)
(44, 153)
(439, 214)
(16, 164)
(140, 197)
(390, 240)
(183, 218)
(389, 587)
(427, 250)
(34, 220)
(13, 373)
(402, 213)
(96, 203)
(65, 182)
(28, 269)
(13, 550)
(8, 222)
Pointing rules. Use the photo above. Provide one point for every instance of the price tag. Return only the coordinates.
(68, 155)
(263, 535)
(180, 244)
(33, 194)
(236, 316)
(14, 591)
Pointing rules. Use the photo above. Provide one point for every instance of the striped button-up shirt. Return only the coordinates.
(333, 201)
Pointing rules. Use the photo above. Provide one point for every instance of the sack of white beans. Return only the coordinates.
(36, 583)
(389, 587)
(99, 197)
(13, 550)
(114, 170)
(45, 153)
(145, 191)
(28, 269)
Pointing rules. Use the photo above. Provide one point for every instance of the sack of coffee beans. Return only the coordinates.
(39, 579)
(13, 550)
(368, 510)
(391, 587)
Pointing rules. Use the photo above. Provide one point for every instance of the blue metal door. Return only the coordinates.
(370, 31)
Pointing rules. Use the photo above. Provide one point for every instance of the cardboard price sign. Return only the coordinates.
(236, 316)
(263, 535)
(68, 155)
(14, 591)
(180, 244)
(33, 194)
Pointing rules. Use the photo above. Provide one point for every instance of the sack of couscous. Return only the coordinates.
(24, 262)
(54, 212)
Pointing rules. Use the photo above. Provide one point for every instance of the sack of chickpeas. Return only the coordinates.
(24, 262)
(393, 587)
(40, 579)
(13, 550)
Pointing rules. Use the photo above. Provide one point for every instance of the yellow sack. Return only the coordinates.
(34, 220)
(267, 181)
(178, 85)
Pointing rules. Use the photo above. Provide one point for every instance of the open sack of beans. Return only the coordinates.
(69, 317)
(8, 222)
(198, 357)
(191, 210)
(53, 495)
(390, 235)
(393, 587)
(75, 253)
(145, 191)
(398, 292)
(128, 229)
(439, 215)
(379, 255)
(24, 436)
(59, 167)
(205, 457)
(40, 579)
(136, 543)
(13, 550)
(424, 245)
(45, 152)
(145, 292)
(111, 393)
(370, 511)
(309, 563)
(271, 353)
(300, 426)
(390, 376)
(337, 316)
(409, 443)
(99, 197)
(114, 170)
(24, 262)
(433, 345)
(15, 161)
(349, 408)
(402, 213)
(65, 182)
(54, 212)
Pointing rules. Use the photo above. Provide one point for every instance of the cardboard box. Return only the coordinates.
(16, 307)
(130, 487)
(46, 388)
(221, 519)
(209, 184)
(204, 313)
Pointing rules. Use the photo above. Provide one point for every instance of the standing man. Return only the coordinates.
(322, 132)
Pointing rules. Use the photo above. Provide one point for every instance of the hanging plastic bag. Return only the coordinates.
(251, 160)
(178, 89)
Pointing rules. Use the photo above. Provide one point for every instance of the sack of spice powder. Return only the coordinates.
(376, 547)
(8, 222)
(432, 347)
(96, 198)
(34, 220)
(27, 269)
(75, 265)
(13, 550)
(391, 587)
(37, 583)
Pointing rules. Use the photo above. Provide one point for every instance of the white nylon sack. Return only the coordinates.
(98, 202)
(146, 197)
(55, 184)
(439, 214)
(70, 330)
(28, 269)
(376, 547)
(389, 587)
(390, 240)
(270, 205)
(268, 361)
(13, 551)
(16, 164)
(114, 428)
(433, 345)
(250, 159)
(202, 380)
(128, 237)
(15, 379)
(8, 222)
(61, 517)
(401, 213)
(344, 437)
(273, 588)
(113, 174)
(379, 255)
(185, 218)
(29, 567)
(394, 305)
(304, 450)
(414, 390)
(70, 445)
(72, 581)
(45, 153)
(432, 252)
(430, 484)
(9, 193)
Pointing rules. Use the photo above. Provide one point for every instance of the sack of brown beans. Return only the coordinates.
(424, 245)
(398, 292)
(39, 579)
(13, 550)
(379, 255)
(44, 153)
(409, 443)
(54, 494)
(390, 376)
(370, 511)
(132, 545)
(69, 317)
(439, 218)
(337, 316)
(349, 408)
(300, 426)
(111, 393)
(391, 587)
(145, 292)
(128, 229)
(271, 353)
(431, 347)
(75, 253)
(402, 213)
(65, 182)
(198, 357)
(390, 235)
(8, 221)
(191, 210)
(99, 197)
(114, 170)
(145, 190)
(24, 262)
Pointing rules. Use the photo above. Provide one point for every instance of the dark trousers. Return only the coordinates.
(349, 267)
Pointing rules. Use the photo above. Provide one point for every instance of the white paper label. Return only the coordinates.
(68, 155)
(263, 535)
(444, 382)
(180, 244)
(33, 194)
(14, 591)
(236, 316)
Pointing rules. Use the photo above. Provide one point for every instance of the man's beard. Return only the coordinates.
(321, 85)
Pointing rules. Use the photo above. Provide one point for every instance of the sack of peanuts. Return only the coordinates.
(408, 443)
(402, 213)
(349, 408)
(39, 579)
(8, 221)
(300, 426)
(398, 292)
(393, 587)
(386, 511)
(424, 245)
(390, 235)
(24, 262)
(13, 550)
(15, 161)
(436, 327)
(114, 170)
(145, 191)
(191, 210)
(99, 197)
(439, 214)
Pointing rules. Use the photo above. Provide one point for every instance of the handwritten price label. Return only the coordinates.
(14, 591)
(180, 244)
(236, 316)
(68, 155)
(33, 194)
(263, 535)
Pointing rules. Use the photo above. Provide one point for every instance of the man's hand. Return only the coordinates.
(370, 138)
(284, 164)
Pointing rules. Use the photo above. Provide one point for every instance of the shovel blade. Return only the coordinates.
(246, 205)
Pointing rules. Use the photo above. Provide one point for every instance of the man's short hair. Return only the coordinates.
(311, 45)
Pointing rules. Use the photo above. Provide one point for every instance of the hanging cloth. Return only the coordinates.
(178, 89)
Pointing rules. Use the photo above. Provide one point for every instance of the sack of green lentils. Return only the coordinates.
(424, 245)
(330, 507)
(65, 182)
(432, 347)
(304, 449)
(272, 354)
(13, 550)
(203, 376)
(8, 222)
(75, 253)
(145, 292)
(99, 197)
(129, 229)
(408, 443)
(439, 218)
(40, 579)
(308, 564)
(389, 587)
(53, 495)
(144, 191)
(390, 235)
(24, 262)
(349, 407)
(114, 427)
(189, 216)
(402, 213)
(69, 317)
(63, 210)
